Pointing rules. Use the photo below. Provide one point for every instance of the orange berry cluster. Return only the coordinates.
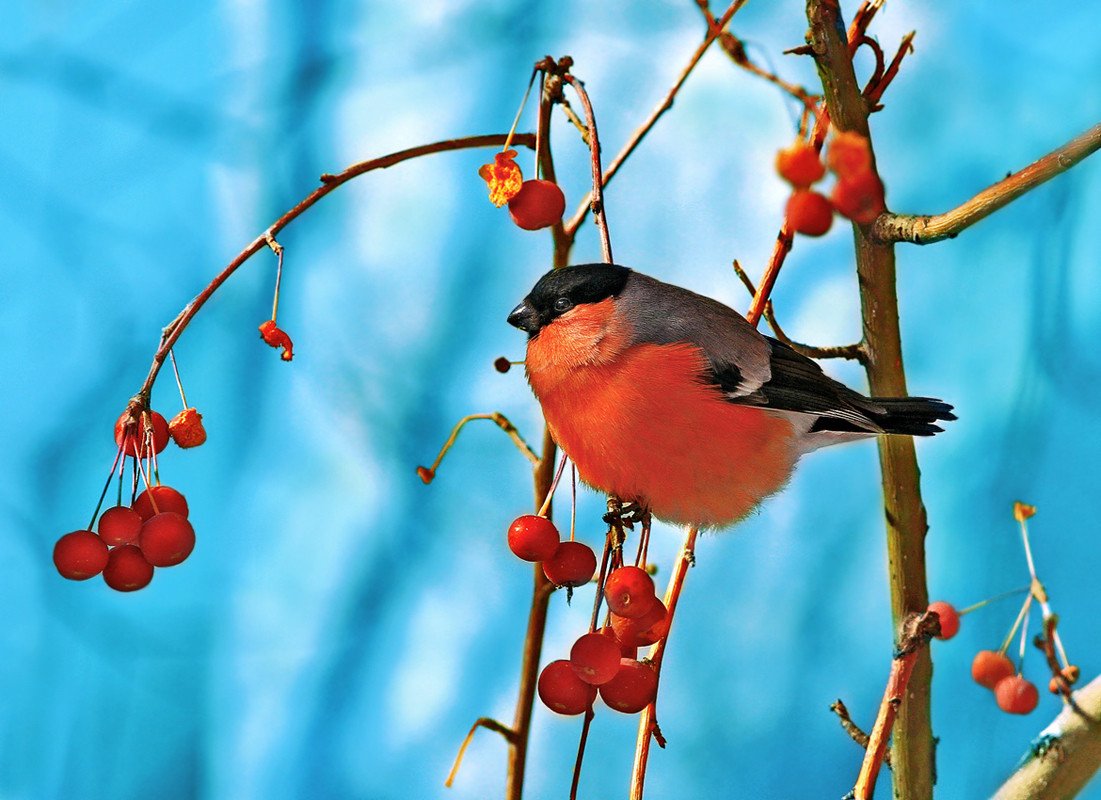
(153, 531)
(857, 194)
(532, 204)
(603, 661)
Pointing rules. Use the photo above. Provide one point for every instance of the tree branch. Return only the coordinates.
(929, 229)
(1065, 755)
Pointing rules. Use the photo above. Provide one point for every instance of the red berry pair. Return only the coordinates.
(534, 538)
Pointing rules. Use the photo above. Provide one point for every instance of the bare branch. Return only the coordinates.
(482, 722)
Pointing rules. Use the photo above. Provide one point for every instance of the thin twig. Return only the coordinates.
(873, 93)
(428, 473)
(927, 229)
(585, 725)
(329, 183)
(656, 114)
(855, 732)
(482, 722)
(596, 195)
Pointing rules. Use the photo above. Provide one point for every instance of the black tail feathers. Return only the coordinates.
(913, 416)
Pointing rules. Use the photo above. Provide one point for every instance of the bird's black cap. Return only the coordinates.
(561, 289)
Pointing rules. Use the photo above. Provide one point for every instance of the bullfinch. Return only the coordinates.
(673, 400)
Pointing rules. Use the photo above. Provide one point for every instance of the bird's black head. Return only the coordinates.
(561, 289)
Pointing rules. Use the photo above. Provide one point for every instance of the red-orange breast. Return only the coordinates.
(673, 400)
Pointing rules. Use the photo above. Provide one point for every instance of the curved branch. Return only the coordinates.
(1065, 755)
(329, 183)
(918, 229)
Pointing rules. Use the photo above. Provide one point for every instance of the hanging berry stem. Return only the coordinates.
(545, 507)
(589, 714)
(1016, 624)
(176, 372)
(994, 599)
(278, 250)
(106, 486)
(428, 473)
(597, 202)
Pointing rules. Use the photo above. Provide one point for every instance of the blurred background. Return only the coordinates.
(340, 625)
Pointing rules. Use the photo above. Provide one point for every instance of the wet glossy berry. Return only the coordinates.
(165, 498)
(949, 619)
(127, 570)
(860, 198)
(809, 213)
(532, 538)
(186, 428)
(1016, 695)
(538, 204)
(166, 539)
(629, 592)
(80, 555)
(800, 165)
(633, 688)
(573, 564)
(595, 658)
(849, 154)
(990, 667)
(562, 691)
(645, 630)
(119, 525)
(130, 433)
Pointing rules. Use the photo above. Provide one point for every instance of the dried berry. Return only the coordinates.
(503, 177)
(186, 428)
(277, 337)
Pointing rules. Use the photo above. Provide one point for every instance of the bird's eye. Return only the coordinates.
(562, 304)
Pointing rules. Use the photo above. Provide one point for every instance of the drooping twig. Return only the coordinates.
(647, 723)
(428, 473)
(660, 109)
(482, 722)
(329, 183)
(918, 229)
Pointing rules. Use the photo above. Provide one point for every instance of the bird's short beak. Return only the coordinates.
(524, 317)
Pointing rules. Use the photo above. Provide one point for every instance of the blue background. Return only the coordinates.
(340, 625)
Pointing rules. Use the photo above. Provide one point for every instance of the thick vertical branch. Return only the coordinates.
(912, 746)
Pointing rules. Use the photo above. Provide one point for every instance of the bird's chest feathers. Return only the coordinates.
(561, 357)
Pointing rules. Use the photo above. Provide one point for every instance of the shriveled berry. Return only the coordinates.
(130, 433)
(644, 630)
(426, 475)
(990, 667)
(1016, 695)
(532, 538)
(949, 619)
(800, 165)
(274, 336)
(849, 154)
(629, 592)
(503, 177)
(633, 688)
(538, 204)
(80, 555)
(573, 564)
(119, 525)
(859, 197)
(502, 364)
(157, 500)
(809, 213)
(595, 658)
(166, 539)
(127, 570)
(562, 691)
(186, 428)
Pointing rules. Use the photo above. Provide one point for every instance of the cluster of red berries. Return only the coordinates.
(532, 204)
(153, 531)
(569, 563)
(857, 195)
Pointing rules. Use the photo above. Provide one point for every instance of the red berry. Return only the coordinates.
(644, 630)
(130, 431)
(573, 564)
(166, 539)
(990, 667)
(561, 690)
(633, 688)
(80, 555)
(165, 498)
(809, 213)
(859, 197)
(538, 204)
(629, 592)
(949, 619)
(533, 538)
(127, 570)
(1016, 695)
(119, 525)
(186, 428)
(625, 651)
(849, 154)
(800, 165)
(595, 658)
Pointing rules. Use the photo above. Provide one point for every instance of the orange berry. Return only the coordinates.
(990, 667)
(809, 213)
(538, 204)
(800, 165)
(1016, 695)
(849, 154)
(859, 197)
(186, 428)
(949, 619)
